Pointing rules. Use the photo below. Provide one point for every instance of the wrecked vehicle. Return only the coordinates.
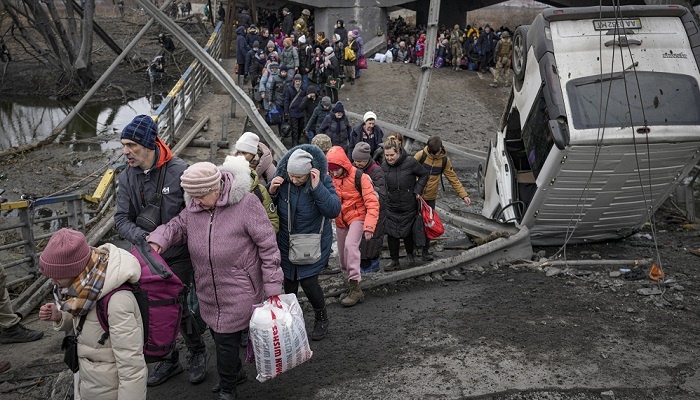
(602, 123)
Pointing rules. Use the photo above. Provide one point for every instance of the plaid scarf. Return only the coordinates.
(82, 295)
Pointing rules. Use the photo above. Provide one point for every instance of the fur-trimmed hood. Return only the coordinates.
(319, 161)
(236, 179)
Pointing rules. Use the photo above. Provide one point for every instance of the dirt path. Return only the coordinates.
(500, 334)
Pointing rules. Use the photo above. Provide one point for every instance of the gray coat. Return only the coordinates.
(136, 189)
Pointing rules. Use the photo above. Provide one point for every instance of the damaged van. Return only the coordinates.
(602, 122)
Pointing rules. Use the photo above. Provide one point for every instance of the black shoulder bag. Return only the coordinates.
(149, 218)
(70, 346)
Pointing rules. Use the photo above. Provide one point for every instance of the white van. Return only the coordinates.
(602, 123)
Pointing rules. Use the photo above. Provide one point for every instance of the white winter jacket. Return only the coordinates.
(116, 369)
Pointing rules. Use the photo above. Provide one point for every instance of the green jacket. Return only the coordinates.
(260, 191)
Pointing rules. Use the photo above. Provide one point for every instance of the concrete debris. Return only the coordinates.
(615, 274)
(608, 395)
(551, 271)
(653, 291)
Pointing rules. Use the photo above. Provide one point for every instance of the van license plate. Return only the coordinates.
(605, 24)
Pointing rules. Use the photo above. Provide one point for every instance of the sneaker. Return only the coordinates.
(19, 334)
(198, 367)
(163, 371)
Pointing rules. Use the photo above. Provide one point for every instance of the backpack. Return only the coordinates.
(424, 156)
(161, 297)
(350, 53)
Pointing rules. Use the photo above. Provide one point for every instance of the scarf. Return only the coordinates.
(82, 295)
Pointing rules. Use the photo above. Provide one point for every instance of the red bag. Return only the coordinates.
(361, 63)
(431, 221)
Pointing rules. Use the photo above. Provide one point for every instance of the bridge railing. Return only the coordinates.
(28, 224)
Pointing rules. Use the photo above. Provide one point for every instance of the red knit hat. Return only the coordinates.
(66, 255)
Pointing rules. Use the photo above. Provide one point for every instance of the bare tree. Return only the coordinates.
(54, 39)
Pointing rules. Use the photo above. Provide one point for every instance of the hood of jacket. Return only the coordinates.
(442, 154)
(240, 30)
(235, 175)
(319, 161)
(266, 158)
(336, 155)
(122, 267)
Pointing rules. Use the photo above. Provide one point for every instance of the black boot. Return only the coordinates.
(320, 325)
(18, 333)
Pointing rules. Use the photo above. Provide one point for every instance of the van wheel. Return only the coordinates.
(520, 52)
(480, 185)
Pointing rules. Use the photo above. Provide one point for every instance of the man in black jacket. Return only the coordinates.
(486, 46)
(287, 23)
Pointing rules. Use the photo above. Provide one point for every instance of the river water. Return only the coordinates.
(27, 120)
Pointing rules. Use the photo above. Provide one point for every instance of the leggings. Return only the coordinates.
(395, 243)
(311, 288)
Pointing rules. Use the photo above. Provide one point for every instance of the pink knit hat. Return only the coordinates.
(66, 255)
(200, 179)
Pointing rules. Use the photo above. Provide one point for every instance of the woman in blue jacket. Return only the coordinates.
(306, 203)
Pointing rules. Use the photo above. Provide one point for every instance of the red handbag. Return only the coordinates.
(361, 63)
(431, 221)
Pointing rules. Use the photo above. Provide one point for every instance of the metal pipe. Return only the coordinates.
(206, 143)
(61, 126)
(37, 297)
(185, 141)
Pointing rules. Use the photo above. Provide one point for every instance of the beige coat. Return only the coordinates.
(117, 369)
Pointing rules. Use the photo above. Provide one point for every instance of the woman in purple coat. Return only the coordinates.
(234, 253)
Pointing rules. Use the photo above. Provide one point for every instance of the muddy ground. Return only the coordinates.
(504, 332)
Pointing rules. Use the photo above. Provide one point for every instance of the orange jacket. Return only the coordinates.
(354, 206)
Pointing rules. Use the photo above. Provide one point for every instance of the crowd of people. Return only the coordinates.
(474, 48)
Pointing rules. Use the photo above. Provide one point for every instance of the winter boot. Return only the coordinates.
(19, 334)
(427, 256)
(392, 266)
(320, 325)
(411, 260)
(354, 296)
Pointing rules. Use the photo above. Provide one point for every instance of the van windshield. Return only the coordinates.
(666, 99)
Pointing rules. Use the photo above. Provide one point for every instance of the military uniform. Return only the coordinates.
(456, 39)
(503, 53)
(301, 25)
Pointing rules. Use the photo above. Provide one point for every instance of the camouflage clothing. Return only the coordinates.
(503, 53)
(456, 39)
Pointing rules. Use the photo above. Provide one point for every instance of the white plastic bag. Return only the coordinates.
(278, 336)
(389, 56)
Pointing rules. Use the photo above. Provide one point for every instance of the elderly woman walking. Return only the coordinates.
(234, 253)
(306, 202)
(82, 275)
(405, 179)
(358, 217)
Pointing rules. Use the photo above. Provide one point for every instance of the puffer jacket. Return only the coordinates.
(136, 188)
(314, 123)
(241, 46)
(433, 165)
(371, 249)
(404, 180)
(290, 58)
(266, 166)
(308, 207)
(337, 129)
(279, 84)
(234, 252)
(117, 368)
(354, 205)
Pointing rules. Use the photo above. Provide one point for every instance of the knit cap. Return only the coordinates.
(299, 162)
(302, 39)
(338, 107)
(142, 130)
(66, 255)
(328, 50)
(325, 101)
(369, 115)
(297, 77)
(200, 178)
(270, 43)
(248, 143)
(256, 44)
(362, 152)
(283, 67)
(322, 141)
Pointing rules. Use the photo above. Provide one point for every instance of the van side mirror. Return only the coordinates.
(560, 133)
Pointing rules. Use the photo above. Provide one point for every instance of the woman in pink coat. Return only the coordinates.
(234, 253)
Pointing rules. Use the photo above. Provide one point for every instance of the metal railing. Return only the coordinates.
(27, 223)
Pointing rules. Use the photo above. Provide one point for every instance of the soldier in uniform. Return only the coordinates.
(301, 25)
(503, 53)
(456, 40)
